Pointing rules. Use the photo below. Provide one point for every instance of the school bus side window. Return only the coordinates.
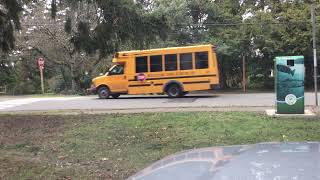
(156, 63)
(201, 60)
(186, 61)
(171, 63)
(141, 64)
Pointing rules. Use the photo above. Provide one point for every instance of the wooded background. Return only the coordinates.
(77, 38)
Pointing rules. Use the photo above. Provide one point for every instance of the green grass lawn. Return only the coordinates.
(114, 146)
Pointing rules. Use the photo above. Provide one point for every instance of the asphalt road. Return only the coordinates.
(142, 102)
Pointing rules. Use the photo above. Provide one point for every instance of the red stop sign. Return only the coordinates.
(141, 77)
(41, 63)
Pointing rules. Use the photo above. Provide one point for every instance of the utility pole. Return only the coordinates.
(313, 19)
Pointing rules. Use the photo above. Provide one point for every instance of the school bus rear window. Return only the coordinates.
(171, 63)
(141, 64)
(201, 60)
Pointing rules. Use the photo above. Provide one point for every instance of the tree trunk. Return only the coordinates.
(73, 82)
(73, 73)
(244, 78)
(222, 77)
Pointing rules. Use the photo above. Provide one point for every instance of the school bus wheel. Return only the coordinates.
(115, 96)
(174, 90)
(103, 92)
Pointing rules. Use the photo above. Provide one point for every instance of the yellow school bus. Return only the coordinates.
(174, 71)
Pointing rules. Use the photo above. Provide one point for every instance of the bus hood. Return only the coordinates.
(94, 80)
(250, 162)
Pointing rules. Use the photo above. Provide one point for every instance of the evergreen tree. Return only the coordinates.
(121, 22)
(9, 20)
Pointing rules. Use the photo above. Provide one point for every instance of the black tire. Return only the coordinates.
(103, 92)
(174, 90)
(115, 96)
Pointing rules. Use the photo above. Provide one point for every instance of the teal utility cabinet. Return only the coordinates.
(290, 84)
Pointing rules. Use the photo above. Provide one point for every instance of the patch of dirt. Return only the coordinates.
(12, 164)
(30, 148)
(33, 129)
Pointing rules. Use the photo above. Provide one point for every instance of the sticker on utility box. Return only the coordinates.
(291, 99)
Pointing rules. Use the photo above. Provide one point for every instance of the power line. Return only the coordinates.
(239, 24)
(207, 24)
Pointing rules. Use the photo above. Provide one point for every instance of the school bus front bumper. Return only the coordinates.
(92, 89)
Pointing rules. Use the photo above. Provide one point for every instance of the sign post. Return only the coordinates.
(41, 67)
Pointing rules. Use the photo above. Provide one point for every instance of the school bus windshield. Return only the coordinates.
(115, 69)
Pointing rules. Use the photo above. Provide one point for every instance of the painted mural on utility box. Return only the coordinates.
(290, 84)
